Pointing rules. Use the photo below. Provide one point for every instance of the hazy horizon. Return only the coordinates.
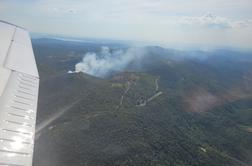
(137, 43)
(208, 24)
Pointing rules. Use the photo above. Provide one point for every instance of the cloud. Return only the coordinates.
(242, 24)
(206, 21)
(101, 64)
(163, 21)
(212, 21)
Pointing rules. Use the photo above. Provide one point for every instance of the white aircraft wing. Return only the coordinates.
(19, 83)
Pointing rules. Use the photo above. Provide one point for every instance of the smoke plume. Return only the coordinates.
(106, 61)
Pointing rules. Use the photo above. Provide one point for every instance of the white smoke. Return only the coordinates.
(106, 61)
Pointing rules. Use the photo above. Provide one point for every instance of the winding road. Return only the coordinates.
(157, 94)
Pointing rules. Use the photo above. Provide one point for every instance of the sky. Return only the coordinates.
(202, 23)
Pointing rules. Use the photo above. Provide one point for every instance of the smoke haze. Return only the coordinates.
(101, 64)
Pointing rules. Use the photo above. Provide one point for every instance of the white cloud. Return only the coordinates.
(211, 21)
(242, 24)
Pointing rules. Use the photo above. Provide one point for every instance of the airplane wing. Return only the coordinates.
(19, 83)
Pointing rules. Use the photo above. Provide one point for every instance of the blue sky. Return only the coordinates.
(207, 23)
